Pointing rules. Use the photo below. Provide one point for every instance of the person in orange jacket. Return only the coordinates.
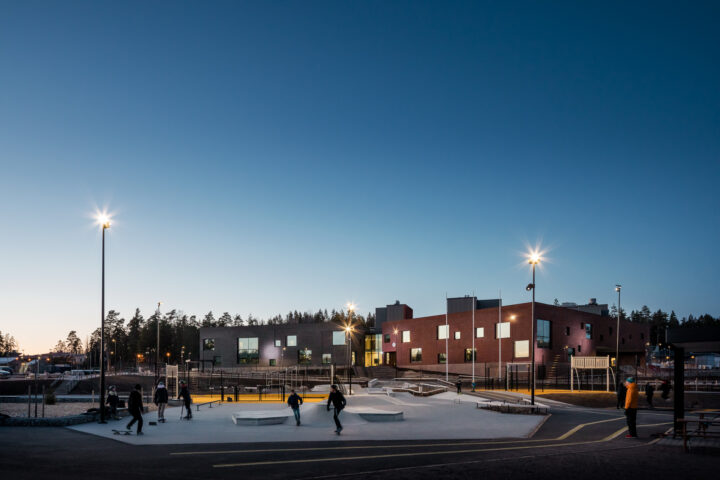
(631, 401)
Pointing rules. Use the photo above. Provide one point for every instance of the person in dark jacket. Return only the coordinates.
(458, 384)
(135, 408)
(621, 392)
(665, 389)
(161, 399)
(649, 392)
(113, 400)
(187, 401)
(294, 402)
(338, 402)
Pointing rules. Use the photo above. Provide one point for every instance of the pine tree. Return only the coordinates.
(225, 320)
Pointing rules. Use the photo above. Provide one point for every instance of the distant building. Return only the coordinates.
(591, 307)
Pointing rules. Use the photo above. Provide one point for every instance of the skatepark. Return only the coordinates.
(400, 416)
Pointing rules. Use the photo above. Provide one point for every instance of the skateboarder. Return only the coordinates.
(294, 402)
(113, 400)
(631, 401)
(649, 392)
(135, 408)
(161, 400)
(338, 401)
(187, 401)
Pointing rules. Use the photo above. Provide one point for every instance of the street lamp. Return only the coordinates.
(395, 345)
(533, 259)
(114, 358)
(157, 347)
(348, 331)
(617, 337)
(103, 219)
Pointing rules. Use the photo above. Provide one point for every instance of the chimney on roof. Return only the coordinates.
(593, 301)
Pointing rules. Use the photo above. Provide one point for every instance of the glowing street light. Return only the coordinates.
(348, 331)
(533, 259)
(102, 219)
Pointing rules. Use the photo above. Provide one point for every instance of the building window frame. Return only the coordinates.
(416, 355)
(480, 332)
(521, 349)
(442, 358)
(291, 341)
(406, 336)
(248, 352)
(468, 353)
(443, 332)
(544, 333)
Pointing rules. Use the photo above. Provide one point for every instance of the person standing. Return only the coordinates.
(665, 389)
(135, 408)
(187, 401)
(458, 384)
(338, 401)
(294, 402)
(161, 399)
(631, 401)
(621, 392)
(649, 392)
(113, 400)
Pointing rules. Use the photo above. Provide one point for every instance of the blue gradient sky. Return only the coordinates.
(268, 156)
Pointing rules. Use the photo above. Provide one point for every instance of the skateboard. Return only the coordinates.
(122, 432)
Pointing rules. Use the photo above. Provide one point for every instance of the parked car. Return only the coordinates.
(8, 370)
(4, 374)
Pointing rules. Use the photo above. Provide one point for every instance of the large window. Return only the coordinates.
(406, 336)
(522, 348)
(443, 332)
(304, 356)
(208, 344)
(470, 354)
(291, 341)
(479, 332)
(416, 355)
(338, 338)
(543, 334)
(588, 331)
(442, 358)
(502, 330)
(248, 350)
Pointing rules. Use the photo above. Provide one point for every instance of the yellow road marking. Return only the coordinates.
(370, 447)
(414, 454)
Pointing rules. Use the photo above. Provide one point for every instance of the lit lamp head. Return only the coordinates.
(351, 307)
(534, 257)
(617, 288)
(103, 219)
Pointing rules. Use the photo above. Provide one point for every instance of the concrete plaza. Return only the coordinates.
(443, 416)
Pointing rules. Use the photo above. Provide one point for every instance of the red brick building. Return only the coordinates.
(419, 343)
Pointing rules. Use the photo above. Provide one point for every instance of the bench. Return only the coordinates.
(703, 430)
(259, 417)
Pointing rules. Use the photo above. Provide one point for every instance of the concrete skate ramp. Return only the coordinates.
(316, 415)
(259, 417)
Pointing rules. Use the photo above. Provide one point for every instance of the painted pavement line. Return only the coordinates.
(415, 454)
(370, 447)
(471, 462)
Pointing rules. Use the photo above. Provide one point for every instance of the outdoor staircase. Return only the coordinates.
(553, 370)
(382, 372)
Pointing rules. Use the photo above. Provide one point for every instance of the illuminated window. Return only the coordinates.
(470, 354)
(457, 335)
(248, 351)
(339, 338)
(291, 341)
(406, 336)
(416, 355)
(522, 348)
(304, 356)
(479, 332)
(502, 330)
(443, 332)
(278, 343)
(442, 358)
(543, 334)
(326, 359)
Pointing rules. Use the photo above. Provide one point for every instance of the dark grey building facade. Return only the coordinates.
(279, 345)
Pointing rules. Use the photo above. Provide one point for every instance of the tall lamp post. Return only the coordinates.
(348, 331)
(104, 220)
(533, 260)
(395, 345)
(617, 338)
(157, 346)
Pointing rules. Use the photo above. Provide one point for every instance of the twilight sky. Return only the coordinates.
(267, 156)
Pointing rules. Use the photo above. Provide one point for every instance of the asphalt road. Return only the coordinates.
(573, 442)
